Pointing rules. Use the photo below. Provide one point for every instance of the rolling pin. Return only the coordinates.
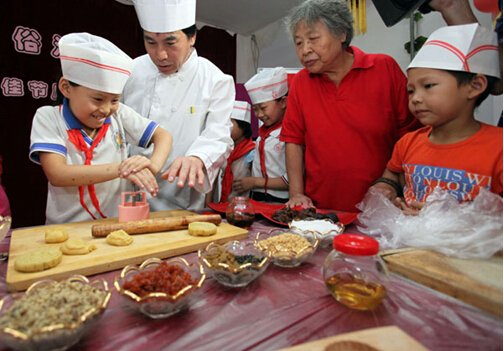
(153, 225)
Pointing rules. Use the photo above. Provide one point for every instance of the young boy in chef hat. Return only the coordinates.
(239, 162)
(448, 78)
(82, 144)
(268, 92)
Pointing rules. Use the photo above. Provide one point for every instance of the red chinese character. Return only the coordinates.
(27, 40)
(55, 49)
(12, 87)
(38, 89)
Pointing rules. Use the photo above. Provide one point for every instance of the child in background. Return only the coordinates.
(268, 92)
(81, 144)
(239, 162)
(449, 77)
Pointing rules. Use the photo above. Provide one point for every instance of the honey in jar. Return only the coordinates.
(353, 272)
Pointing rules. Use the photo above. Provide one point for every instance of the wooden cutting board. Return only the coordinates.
(106, 257)
(383, 339)
(477, 282)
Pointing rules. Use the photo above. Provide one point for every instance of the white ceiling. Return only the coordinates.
(239, 16)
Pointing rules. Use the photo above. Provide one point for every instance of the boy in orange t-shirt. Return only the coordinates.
(450, 76)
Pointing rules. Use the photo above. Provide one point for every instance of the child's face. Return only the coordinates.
(236, 131)
(270, 112)
(91, 107)
(435, 98)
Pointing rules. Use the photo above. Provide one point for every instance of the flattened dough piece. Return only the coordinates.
(76, 246)
(202, 229)
(119, 238)
(38, 260)
(56, 235)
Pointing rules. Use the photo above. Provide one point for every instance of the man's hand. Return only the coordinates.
(299, 200)
(188, 169)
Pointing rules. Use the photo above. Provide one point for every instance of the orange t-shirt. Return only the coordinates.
(461, 168)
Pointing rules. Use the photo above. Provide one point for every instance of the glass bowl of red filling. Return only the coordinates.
(160, 289)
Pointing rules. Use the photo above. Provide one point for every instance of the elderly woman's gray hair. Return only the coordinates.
(335, 14)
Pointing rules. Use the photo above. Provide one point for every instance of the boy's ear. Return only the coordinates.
(64, 86)
(283, 101)
(477, 86)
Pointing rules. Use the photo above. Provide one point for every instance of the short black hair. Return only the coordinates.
(190, 31)
(466, 78)
(245, 127)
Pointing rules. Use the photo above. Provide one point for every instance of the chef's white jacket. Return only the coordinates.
(194, 105)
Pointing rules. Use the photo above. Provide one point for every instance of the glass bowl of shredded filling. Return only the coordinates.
(52, 315)
(160, 289)
(234, 264)
(286, 248)
(323, 229)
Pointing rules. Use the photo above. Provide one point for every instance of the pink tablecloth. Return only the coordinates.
(288, 307)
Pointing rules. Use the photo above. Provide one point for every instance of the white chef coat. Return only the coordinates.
(194, 105)
(49, 134)
(274, 151)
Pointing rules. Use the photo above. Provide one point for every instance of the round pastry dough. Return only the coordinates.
(38, 260)
(55, 235)
(202, 229)
(119, 238)
(76, 246)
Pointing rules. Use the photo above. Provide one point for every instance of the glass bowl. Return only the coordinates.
(55, 315)
(323, 229)
(160, 304)
(289, 250)
(234, 264)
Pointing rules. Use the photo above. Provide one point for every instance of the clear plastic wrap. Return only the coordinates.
(463, 230)
(288, 307)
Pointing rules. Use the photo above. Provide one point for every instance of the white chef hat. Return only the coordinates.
(269, 84)
(468, 48)
(163, 16)
(241, 111)
(94, 62)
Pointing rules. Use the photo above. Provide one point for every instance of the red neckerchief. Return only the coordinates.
(265, 132)
(244, 147)
(75, 136)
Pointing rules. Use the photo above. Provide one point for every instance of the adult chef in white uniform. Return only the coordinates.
(187, 95)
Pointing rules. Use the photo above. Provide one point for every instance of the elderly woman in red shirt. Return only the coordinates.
(346, 110)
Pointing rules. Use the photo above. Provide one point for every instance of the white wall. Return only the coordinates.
(275, 48)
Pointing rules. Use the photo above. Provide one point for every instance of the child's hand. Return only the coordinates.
(134, 164)
(411, 209)
(243, 184)
(145, 180)
(299, 200)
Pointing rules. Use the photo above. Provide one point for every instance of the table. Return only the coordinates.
(286, 307)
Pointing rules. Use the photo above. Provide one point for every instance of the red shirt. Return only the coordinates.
(461, 168)
(349, 130)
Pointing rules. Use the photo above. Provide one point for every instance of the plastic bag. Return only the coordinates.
(463, 230)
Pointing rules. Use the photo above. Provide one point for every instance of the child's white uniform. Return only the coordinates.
(274, 151)
(50, 134)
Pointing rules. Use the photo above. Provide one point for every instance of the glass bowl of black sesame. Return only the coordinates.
(234, 264)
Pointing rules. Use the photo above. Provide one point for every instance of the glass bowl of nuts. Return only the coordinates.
(52, 315)
(234, 264)
(286, 248)
(323, 229)
(160, 289)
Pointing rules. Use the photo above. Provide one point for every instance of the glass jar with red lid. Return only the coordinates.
(354, 273)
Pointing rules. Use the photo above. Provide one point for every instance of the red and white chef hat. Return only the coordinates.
(163, 16)
(241, 111)
(94, 62)
(267, 85)
(468, 48)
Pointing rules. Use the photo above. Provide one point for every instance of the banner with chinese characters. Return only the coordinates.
(29, 70)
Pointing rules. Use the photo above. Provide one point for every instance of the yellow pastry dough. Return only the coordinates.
(76, 246)
(38, 260)
(202, 228)
(55, 235)
(119, 238)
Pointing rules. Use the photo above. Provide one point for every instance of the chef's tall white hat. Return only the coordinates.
(269, 84)
(468, 48)
(94, 62)
(163, 16)
(241, 111)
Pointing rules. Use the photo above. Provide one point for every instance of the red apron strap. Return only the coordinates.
(264, 133)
